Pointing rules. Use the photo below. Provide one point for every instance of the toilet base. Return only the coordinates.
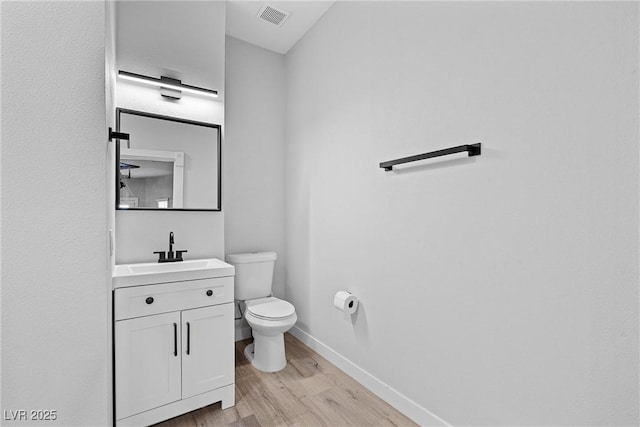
(266, 352)
(248, 353)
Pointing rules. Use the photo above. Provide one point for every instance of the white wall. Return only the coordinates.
(254, 153)
(54, 246)
(496, 290)
(110, 71)
(183, 40)
(178, 39)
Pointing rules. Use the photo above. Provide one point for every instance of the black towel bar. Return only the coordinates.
(472, 149)
(118, 135)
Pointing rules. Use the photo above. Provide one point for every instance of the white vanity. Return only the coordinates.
(173, 339)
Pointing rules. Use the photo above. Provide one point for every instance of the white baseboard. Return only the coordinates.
(393, 397)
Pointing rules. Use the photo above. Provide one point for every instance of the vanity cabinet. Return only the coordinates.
(174, 349)
(204, 366)
(148, 363)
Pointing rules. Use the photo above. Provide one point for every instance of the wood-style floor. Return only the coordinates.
(310, 391)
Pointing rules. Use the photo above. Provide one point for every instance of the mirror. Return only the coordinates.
(169, 163)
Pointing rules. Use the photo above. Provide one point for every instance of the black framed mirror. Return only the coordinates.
(168, 163)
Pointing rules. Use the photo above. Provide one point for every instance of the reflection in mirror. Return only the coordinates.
(171, 163)
(146, 184)
(151, 179)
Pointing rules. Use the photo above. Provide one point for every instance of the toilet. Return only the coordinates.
(269, 317)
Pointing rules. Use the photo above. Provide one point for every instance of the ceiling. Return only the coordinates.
(243, 22)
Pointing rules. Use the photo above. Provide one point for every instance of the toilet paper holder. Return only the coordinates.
(346, 302)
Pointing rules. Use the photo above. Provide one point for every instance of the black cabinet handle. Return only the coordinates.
(149, 300)
(188, 338)
(209, 292)
(175, 339)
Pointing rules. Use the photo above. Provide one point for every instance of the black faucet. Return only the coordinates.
(170, 256)
(171, 242)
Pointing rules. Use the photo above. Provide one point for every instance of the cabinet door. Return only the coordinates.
(147, 363)
(207, 349)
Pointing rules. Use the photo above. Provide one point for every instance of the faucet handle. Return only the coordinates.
(179, 254)
(161, 256)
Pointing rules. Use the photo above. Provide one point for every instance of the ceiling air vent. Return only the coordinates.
(273, 15)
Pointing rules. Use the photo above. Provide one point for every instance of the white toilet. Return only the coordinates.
(268, 316)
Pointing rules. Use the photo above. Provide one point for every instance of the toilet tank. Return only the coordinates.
(254, 274)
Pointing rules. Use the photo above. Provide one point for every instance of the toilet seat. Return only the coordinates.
(270, 308)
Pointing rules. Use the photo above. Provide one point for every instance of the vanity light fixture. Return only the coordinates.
(174, 86)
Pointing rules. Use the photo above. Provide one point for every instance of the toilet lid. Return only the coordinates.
(270, 308)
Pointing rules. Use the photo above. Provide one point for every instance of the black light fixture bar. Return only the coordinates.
(167, 82)
(472, 149)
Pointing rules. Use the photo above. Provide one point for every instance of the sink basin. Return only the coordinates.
(154, 267)
(152, 272)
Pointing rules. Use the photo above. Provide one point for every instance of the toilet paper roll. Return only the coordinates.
(345, 301)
